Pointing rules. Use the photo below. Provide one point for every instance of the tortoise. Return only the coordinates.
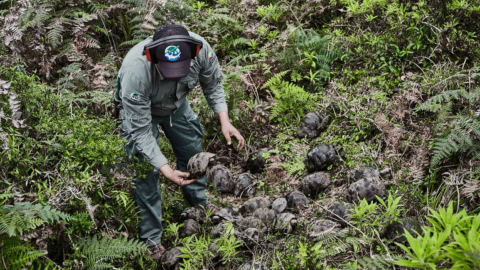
(286, 222)
(222, 178)
(312, 125)
(320, 157)
(222, 214)
(198, 164)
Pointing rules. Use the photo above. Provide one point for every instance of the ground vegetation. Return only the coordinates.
(370, 108)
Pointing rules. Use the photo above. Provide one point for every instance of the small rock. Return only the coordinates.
(340, 213)
(252, 266)
(286, 222)
(312, 125)
(249, 222)
(297, 200)
(367, 173)
(190, 227)
(222, 214)
(320, 227)
(395, 230)
(250, 236)
(279, 205)
(265, 215)
(244, 186)
(320, 157)
(253, 204)
(256, 161)
(222, 179)
(365, 189)
(198, 164)
(315, 183)
(170, 258)
(194, 213)
(218, 230)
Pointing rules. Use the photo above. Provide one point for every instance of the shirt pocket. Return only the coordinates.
(185, 86)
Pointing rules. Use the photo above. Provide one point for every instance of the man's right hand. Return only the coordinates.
(177, 177)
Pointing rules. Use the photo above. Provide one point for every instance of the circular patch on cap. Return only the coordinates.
(172, 52)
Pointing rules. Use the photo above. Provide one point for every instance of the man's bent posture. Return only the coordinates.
(154, 80)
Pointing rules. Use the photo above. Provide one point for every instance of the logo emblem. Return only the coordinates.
(134, 96)
(211, 56)
(172, 52)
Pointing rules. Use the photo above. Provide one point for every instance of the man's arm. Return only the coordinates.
(211, 78)
(138, 119)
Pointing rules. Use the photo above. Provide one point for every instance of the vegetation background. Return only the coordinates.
(399, 79)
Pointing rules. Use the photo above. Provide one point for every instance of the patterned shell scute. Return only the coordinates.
(197, 165)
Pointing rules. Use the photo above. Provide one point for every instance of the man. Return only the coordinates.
(154, 94)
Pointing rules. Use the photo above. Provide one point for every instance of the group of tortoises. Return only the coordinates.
(259, 216)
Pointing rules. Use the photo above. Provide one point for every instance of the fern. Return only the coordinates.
(149, 15)
(309, 41)
(339, 241)
(14, 106)
(459, 140)
(36, 17)
(332, 242)
(14, 255)
(24, 216)
(291, 99)
(433, 104)
(296, 166)
(74, 77)
(54, 35)
(14, 221)
(275, 80)
(378, 262)
(99, 254)
(463, 134)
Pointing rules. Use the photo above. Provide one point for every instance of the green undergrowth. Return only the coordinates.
(398, 79)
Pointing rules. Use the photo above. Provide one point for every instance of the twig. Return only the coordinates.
(90, 209)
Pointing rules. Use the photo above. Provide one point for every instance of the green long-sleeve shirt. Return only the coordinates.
(144, 92)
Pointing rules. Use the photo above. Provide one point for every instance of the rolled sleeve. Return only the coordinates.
(138, 119)
(211, 79)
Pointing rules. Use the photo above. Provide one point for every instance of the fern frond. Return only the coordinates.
(275, 80)
(240, 41)
(445, 96)
(459, 140)
(291, 99)
(99, 252)
(42, 15)
(378, 262)
(16, 255)
(24, 216)
(54, 35)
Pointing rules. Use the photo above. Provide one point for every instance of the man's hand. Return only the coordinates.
(177, 177)
(229, 130)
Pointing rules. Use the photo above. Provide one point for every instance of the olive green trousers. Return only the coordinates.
(184, 132)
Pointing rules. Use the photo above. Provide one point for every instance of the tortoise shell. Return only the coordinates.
(198, 164)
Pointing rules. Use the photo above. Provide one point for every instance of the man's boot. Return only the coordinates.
(155, 252)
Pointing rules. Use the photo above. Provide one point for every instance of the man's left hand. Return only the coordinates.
(229, 130)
